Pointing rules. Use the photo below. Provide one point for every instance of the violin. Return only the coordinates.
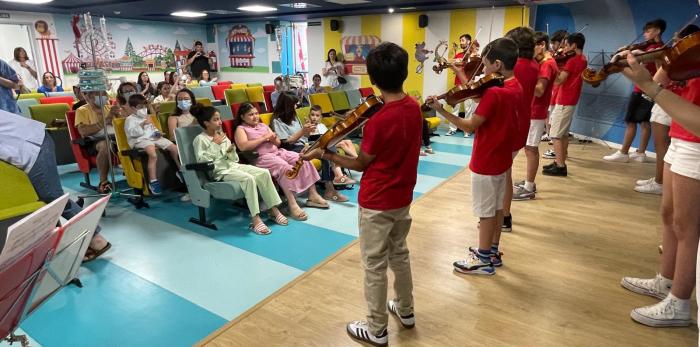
(471, 90)
(562, 57)
(342, 128)
(681, 61)
(470, 61)
(637, 46)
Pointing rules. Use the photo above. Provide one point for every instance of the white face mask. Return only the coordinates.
(142, 112)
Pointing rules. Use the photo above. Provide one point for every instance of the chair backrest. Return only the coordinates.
(366, 91)
(167, 107)
(57, 100)
(268, 101)
(47, 114)
(163, 121)
(192, 84)
(255, 94)
(24, 106)
(354, 97)
(16, 189)
(81, 156)
(236, 96)
(133, 171)
(227, 127)
(269, 87)
(266, 118)
(224, 111)
(302, 113)
(254, 84)
(219, 91)
(224, 83)
(328, 88)
(32, 96)
(239, 86)
(194, 180)
(203, 92)
(204, 101)
(323, 100)
(339, 100)
(52, 94)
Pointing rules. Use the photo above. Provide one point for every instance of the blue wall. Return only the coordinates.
(611, 24)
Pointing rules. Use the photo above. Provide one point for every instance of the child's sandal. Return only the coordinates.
(260, 228)
(280, 219)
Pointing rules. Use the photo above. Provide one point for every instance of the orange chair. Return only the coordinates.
(84, 160)
(58, 100)
(220, 91)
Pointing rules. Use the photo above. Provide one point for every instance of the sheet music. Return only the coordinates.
(31, 229)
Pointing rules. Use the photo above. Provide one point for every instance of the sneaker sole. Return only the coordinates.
(396, 314)
(659, 323)
(357, 338)
(506, 229)
(475, 272)
(522, 198)
(639, 290)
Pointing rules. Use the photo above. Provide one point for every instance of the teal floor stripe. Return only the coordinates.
(117, 308)
(452, 148)
(437, 169)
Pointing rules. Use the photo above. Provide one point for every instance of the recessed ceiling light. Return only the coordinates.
(29, 2)
(257, 8)
(407, 8)
(299, 5)
(188, 14)
(391, 10)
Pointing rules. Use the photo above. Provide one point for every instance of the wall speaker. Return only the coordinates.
(335, 25)
(423, 21)
(269, 29)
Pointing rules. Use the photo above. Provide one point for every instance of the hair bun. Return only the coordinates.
(196, 109)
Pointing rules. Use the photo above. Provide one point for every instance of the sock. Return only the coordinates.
(494, 248)
(530, 186)
(484, 255)
(154, 180)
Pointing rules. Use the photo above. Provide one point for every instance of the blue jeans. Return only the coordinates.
(44, 178)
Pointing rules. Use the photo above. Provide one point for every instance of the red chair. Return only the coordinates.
(234, 109)
(224, 83)
(220, 92)
(367, 91)
(85, 161)
(268, 101)
(227, 126)
(269, 88)
(58, 100)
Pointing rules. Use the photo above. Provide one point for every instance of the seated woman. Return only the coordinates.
(182, 116)
(294, 137)
(48, 83)
(316, 86)
(346, 145)
(206, 80)
(253, 135)
(213, 145)
(144, 85)
(163, 93)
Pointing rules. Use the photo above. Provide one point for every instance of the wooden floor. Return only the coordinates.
(559, 286)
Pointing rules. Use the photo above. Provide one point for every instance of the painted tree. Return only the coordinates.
(129, 50)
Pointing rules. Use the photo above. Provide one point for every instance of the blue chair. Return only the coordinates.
(224, 111)
(203, 92)
(354, 97)
(52, 94)
(24, 106)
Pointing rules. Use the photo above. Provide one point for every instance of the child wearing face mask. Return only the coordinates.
(142, 134)
(182, 116)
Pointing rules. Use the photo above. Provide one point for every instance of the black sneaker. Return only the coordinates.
(555, 171)
(408, 322)
(548, 166)
(507, 223)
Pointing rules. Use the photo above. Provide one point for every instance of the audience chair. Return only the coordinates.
(366, 91)
(17, 195)
(339, 100)
(68, 100)
(322, 100)
(354, 97)
(24, 104)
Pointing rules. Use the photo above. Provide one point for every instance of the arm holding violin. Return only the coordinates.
(681, 110)
(457, 67)
(465, 124)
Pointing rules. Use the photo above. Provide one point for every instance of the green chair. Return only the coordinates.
(167, 107)
(49, 114)
(17, 195)
(236, 96)
(224, 111)
(354, 97)
(197, 177)
(303, 113)
(24, 104)
(163, 120)
(32, 96)
(254, 84)
(339, 100)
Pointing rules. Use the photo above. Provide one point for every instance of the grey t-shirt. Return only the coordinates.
(285, 131)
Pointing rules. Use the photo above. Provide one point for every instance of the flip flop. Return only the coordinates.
(92, 253)
(337, 198)
(280, 219)
(300, 216)
(343, 181)
(315, 204)
(260, 228)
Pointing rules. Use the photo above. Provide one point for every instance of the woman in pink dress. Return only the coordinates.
(253, 135)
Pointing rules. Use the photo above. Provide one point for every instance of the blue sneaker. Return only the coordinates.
(155, 188)
(474, 265)
(495, 258)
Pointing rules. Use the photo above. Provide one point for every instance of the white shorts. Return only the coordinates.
(684, 158)
(487, 194)
(561, 120)
(535, 134)
(161, 143)
(658, 115)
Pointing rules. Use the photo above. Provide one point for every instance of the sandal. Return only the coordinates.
(314, 204)
(260, 228)
(92, 253)
(343, 181)
(301, 216)
(337, 197)
(105, 187)
(280, 219)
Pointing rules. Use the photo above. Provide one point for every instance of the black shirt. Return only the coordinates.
(78, 104)
(199, 64)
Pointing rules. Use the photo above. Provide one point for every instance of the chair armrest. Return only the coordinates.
(248, 156)
(208, 166)
(134, 153)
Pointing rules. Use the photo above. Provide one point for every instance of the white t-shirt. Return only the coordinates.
(26, 76)
(320, 129)
(332, 74)
(20, 140)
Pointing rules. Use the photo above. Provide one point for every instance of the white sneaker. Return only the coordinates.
(670, 312)
(450, 133)
(467, 135)
(408, 322)
(638, 157)
(359, 330)
(646, 181)
(650, 188)
(617, 157)
(657, 287)
(185, 197)
(474, 265)
(544, 138)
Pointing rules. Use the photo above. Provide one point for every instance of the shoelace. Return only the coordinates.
(661, 308)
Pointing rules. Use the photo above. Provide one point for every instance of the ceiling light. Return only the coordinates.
(407, 8)
(391, 10)
(29, 2)
(188, 14)
(257, 8)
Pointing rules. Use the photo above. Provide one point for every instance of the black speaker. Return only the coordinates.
(423, 21)
(335, 25)
(269, 29)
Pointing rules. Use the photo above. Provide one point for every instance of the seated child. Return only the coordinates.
(212, 145)
(346, 145)
(142, 134)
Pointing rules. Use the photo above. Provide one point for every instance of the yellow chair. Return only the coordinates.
(303, 113)
(204, 101)
(192, 85)
(53, 115)
(32, 96)
(322, 100)
(256, 95)
(134, 168)
(236, 96)
(239, 86)
(17, 195)
(266, 118)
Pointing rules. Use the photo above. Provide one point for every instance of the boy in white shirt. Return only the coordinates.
(142, 134)
(347, 146)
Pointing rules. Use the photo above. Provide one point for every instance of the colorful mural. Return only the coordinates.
(355, 49)
(245, 46)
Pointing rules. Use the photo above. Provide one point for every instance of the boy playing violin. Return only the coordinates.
(495, 124)
(386, 192)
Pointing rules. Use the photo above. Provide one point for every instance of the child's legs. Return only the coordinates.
(348, 147)
(508, 193)
(247, 183)
(152, 161)
(399, 260)
(533, 162)
(264, 184)
(375, 227)
(630, 133)
(661, 142)
(172, 149)
(686, 224)
(487, 201)
(644, 137)
(669, 241)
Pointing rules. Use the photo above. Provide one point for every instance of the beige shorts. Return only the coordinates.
(487, 194)
(535, 134)
(658, 115)
(561, 121)
(684, 158)
(161, 143)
